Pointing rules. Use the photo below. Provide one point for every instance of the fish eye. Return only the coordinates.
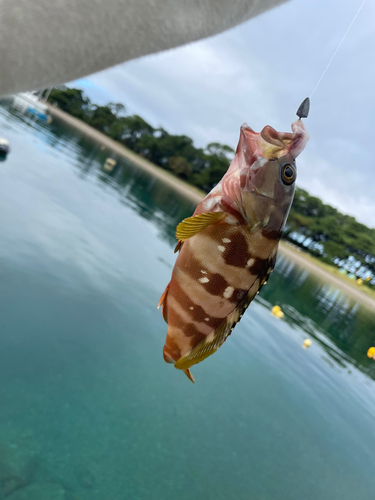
(288, 174)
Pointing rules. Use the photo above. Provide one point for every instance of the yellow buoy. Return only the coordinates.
(371, 352)
(109, 164)
(276, 311)
(306, 343)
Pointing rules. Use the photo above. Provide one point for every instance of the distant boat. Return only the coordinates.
(4, 145)
(27, 102)
(4, 148)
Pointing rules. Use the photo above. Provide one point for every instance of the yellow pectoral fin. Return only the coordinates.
(194, 225)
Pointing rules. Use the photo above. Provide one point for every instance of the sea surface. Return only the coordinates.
(88, 408)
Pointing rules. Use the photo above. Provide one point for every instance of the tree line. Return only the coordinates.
(321, 229)
(331, 235)
(201, 167)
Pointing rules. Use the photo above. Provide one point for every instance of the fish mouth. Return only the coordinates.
(270, 144)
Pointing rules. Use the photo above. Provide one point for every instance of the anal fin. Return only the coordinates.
(217, 337)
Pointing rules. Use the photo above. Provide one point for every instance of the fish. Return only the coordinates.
(227, 249)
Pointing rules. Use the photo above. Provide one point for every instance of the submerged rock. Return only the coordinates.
(29, 470)
(5, 471)
(40, 491)
(85, 478)
(9, 480)
(9, 485)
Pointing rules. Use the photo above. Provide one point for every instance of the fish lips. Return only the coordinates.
(270, 144)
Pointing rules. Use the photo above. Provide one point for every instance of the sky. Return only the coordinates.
(259, 73)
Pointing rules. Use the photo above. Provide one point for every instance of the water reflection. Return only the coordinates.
(307, 301)
(339, 324)
(89, 409)
(147, 195)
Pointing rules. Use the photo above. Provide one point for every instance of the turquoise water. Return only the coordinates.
(88, 408)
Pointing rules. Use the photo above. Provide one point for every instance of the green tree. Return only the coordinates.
(103, 118)
(220, 150)
(341, 235)
(71, 101)
(180, 166)
(134, 128)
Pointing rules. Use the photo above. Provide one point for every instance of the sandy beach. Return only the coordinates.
(196, 195)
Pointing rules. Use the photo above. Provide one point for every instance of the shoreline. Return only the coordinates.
(196, 195)
(305, 260)
(181, 186)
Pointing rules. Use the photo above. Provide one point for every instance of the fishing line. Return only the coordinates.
(338, 47)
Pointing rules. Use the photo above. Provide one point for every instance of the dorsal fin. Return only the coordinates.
(195, 224)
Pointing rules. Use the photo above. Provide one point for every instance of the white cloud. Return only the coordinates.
(259, 73)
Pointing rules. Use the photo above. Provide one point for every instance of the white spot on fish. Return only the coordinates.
(191, 308)
(203, 280)
(203, 272)
(250, 262)
(221, 248)
(226, 240)
(228, 292)
(230, 219)
(207, 319)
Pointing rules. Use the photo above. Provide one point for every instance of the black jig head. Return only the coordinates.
(303, 110)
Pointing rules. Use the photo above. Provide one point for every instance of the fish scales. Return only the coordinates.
(228, 248)
(210, 271)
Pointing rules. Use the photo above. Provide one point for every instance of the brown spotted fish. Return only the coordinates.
(228, 248)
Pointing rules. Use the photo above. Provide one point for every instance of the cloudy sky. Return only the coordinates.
(259, 72)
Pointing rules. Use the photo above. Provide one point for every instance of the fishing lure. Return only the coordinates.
(228, 248)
